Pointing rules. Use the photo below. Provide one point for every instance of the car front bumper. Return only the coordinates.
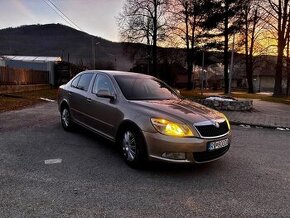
(188, 150)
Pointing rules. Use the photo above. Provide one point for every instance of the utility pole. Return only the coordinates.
(202, 73)
(93, 54)
(232, 65)
(288, 69)
(95, 44)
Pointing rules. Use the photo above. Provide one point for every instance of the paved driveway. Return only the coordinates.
(92, 181)
(271, 108)
(266, 114)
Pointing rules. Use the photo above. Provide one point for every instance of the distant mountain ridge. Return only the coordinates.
(63, 41)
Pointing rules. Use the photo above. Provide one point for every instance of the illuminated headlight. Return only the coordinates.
(169, 128)
(228, 122)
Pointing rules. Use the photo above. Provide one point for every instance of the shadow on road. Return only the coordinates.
(155, 167)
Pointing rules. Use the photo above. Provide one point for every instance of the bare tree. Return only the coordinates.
(144, 20)
(186, 23)
(279, 10)
(254, 23)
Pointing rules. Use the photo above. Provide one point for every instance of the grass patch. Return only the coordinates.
(196, 93)
(15, 101)
(283, 100)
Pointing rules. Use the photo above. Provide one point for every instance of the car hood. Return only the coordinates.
(186, 110)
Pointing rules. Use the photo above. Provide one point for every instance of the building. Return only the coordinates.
(264, 75)
(2, 62)
(46, 64)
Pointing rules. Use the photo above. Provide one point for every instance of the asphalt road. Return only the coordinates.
(253, 179)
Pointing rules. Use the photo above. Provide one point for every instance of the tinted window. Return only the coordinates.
(75, 82)
(135, 88)
(84, 82)
(103, 83)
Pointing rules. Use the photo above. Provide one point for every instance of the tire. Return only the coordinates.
(66, 120)
(133, 148)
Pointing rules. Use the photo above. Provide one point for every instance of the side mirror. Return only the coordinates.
(102, 93)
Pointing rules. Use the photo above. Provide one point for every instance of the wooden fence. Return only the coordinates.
(11, 76)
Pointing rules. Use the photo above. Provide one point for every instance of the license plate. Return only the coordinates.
(218, 144)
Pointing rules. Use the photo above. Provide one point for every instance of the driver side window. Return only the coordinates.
(102, 82)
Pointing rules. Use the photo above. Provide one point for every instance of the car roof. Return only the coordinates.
(117, 73)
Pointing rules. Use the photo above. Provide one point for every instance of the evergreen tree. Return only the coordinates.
(224, 20)
(186, 22)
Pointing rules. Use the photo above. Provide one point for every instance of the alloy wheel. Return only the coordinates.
(65, 116)
(129, 146)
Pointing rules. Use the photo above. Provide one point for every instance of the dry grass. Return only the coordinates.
(20, 100)
(196, 93)
(283, 100)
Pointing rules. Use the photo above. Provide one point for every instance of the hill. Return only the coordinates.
(63, 41)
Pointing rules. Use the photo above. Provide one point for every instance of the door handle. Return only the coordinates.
(89, 100)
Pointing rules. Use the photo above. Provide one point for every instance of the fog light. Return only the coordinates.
(175, 156)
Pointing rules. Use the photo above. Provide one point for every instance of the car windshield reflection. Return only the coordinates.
(134, 88)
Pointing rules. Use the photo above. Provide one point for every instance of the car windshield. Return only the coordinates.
(136, 88)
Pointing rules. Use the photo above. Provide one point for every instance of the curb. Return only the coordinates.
(238, 123)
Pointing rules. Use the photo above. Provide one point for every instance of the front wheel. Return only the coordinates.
(66, 120)
(133, 148)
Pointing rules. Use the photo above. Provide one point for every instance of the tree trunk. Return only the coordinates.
(249, 60)
(288, 69)
(192, 48)
(149, 50)
(154, 38)
(288, 78)
(283, 35)
(189, 71)
(249, 72)
(250, 69)
(250, 76)
(279, 70)
(226, 46)
(188, 59)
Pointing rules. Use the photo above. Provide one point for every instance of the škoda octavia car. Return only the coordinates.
(144, 116)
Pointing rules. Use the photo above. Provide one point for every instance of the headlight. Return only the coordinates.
(171, 128)
(228, 122)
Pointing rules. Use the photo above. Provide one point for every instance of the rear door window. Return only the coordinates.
(85, 81)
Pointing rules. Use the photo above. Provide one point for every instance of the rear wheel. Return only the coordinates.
(66, 120)
(133, 147)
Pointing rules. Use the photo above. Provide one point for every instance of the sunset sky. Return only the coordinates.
(96, 17)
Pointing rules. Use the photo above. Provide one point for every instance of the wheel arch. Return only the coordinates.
(63, 104)
(129, 124)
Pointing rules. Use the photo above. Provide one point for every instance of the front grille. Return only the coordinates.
(213, 131)
(209, 155)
